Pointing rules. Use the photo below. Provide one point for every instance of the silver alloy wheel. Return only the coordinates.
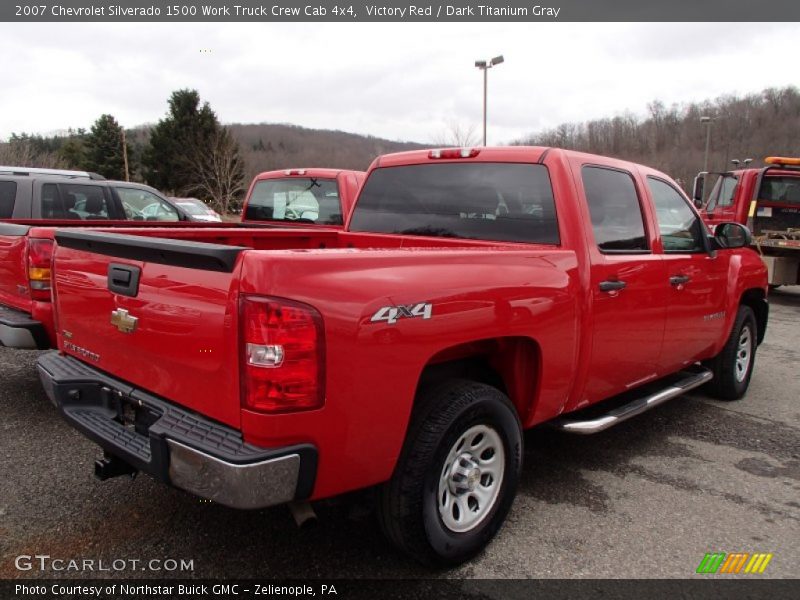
(471, 478)
(744, 353)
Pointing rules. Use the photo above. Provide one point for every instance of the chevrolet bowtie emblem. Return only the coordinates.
(123, 321)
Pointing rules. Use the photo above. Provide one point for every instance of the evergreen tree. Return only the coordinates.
(103, 148)
(73, 149)
(188, 129)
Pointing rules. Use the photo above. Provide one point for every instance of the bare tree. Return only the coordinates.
(21, 153)
(672, 139)
(457, 135)
(218, 170)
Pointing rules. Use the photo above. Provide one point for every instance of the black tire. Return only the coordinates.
(727, 384)
(408, 504)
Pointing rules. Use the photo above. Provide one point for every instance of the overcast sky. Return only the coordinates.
(399, 81)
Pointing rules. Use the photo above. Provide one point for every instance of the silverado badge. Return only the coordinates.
(123, 321)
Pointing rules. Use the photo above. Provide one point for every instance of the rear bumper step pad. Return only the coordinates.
(172, 444)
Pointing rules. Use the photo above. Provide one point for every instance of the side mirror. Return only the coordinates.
(697, 189)
(732, 235)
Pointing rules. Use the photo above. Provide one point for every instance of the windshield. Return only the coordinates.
(300, 199)
(722, 193)
(485, 201)
(193, 209)
(785, 189)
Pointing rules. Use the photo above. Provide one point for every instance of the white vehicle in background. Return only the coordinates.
(197, 210)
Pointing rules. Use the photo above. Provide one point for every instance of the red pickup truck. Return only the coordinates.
(767, 199)
(294, 197)
(302, 196)
(474, 293)
(26, 250)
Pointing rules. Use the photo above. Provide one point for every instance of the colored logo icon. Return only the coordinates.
(734, 563)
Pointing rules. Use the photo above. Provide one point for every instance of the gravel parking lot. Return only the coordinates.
(646, 499)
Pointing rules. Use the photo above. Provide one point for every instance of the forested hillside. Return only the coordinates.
(673, 139)
(266, 146)
(262, 147)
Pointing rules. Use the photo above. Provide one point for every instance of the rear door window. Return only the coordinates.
(510, 202)
(8, 193)
(52, 207)
(302, 199)
(614, 207)
(76, 201)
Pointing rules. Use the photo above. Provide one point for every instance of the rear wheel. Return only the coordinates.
(457, 475)
(733, 366)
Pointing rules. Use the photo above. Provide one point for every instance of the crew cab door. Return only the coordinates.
(628, 300)
(696, 282)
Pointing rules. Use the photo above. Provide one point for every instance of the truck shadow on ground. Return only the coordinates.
(785, 296)
(555, 461)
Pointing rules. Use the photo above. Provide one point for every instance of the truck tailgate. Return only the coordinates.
(159, 314)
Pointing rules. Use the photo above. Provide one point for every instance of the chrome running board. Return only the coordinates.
(688, 381)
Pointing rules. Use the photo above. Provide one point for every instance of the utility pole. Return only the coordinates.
(707, 121)
(125, 155)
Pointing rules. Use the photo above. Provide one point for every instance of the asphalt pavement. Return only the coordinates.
(647, 499)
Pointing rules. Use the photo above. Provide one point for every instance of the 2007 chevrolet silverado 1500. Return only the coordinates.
(302, 197)
(474, 293)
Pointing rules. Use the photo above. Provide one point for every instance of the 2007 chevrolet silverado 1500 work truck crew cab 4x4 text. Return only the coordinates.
(474, 293)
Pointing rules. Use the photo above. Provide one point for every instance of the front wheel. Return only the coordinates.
(733, 366)
(457, 475)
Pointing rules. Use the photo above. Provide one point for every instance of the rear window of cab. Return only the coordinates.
(508, 202)
(300, 199)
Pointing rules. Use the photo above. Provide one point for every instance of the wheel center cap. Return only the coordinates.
(464, 475)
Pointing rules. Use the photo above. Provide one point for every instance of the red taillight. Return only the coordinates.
(454, 153)
(283, 355)
(40, 256)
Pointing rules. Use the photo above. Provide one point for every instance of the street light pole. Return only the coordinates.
(485, 65)
(485, 94)
(707, 121)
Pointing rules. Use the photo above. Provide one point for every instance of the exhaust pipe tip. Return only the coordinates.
(303, 514)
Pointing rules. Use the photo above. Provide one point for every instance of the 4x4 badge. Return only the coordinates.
(122, 320)
(391, 314)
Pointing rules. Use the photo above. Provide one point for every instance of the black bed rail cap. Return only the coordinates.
(178, 253)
